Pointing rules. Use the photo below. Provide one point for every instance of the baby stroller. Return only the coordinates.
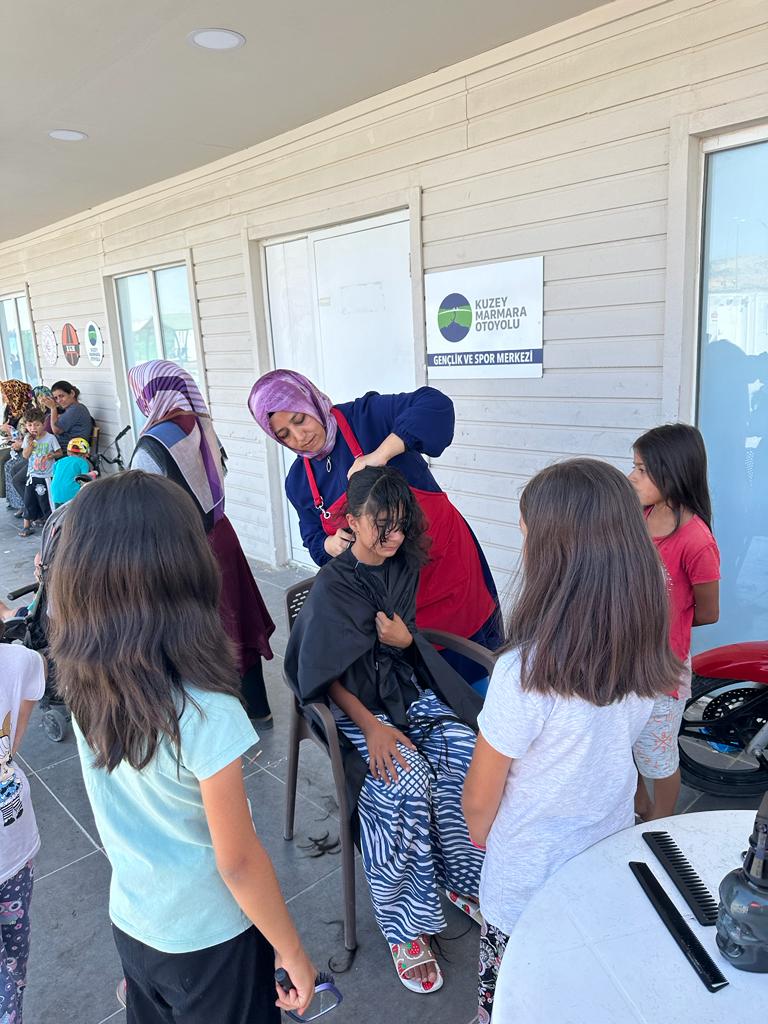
(31, 629)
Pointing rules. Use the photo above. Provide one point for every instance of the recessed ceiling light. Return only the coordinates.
(67, 135)
(216, 38)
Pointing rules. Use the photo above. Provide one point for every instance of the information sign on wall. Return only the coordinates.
(49, 347)
(70, 344)
(94, 343)
(486, 321)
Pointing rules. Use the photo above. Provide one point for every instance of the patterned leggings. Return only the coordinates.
(492, 945)
(15, 897)
(14, 499)
(414, 839)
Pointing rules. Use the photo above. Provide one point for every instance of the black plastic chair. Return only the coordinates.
(315, 722)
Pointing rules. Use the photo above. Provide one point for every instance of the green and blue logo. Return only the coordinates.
(454, 318)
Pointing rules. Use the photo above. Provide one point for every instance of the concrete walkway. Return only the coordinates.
(74, 968)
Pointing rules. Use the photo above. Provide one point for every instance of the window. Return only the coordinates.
(155, 315)
(18, 340)
(733, 383)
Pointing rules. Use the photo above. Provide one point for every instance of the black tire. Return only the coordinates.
(698, 757)
(55, 723)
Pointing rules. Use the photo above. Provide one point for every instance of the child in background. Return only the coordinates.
(22, 683)
(670, 479)
(41, 451)
(552, 771)
(64, 485)
(149, 675)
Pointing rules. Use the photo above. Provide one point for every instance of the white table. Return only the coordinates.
(590, 949)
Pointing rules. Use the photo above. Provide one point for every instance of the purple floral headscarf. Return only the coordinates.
(289, 391)
(162, 389)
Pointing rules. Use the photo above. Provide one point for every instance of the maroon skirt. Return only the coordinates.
(243, 612)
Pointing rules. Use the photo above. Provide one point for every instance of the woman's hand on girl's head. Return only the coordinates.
(389, 448)
(303, 974)
(374, 459)
(383, 754)
(393, 632)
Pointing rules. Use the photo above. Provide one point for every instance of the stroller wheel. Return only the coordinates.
(55, 724)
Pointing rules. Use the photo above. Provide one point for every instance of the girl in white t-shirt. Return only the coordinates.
(552, 771)
(22, 683)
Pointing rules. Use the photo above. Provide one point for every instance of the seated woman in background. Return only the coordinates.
(69, 417)
(406, 720)
(16, 396)
(178, 441)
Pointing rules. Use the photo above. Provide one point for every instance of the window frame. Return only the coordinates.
(112, 276)
(21, 295)
(691, 137)
(719, 143)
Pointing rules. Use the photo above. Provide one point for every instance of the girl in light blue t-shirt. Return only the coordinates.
(149, 675)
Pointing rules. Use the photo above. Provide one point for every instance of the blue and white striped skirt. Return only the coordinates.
(414, 839)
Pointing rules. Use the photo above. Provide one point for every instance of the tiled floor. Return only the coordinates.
(74, 967)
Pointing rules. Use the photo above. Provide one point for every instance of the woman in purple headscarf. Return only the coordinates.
(178, 441)
(331, 442)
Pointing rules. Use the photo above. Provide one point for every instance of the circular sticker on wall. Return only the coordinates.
(70, 344)
(49, 347)
(94, 343)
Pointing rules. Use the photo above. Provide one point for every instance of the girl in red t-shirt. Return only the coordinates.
(670, 479)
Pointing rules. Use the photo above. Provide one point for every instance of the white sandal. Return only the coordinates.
(407, 955)
(467, 904)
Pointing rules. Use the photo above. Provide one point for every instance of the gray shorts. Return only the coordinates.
(656, 751)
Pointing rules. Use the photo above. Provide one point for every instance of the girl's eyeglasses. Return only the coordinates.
(326, 998)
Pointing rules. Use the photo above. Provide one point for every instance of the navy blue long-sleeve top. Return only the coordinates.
(423, 420)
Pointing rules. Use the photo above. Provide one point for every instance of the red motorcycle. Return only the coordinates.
(724, 733)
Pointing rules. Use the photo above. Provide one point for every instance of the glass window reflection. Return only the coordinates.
(176, 318)
(733, 385)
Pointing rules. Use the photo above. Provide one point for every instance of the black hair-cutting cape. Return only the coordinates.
(334, 637)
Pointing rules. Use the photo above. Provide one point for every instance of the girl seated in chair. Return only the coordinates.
(406, 720)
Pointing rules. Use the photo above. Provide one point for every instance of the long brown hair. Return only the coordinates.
(134, 594)
(591, 616)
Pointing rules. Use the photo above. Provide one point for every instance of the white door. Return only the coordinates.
(340, 313)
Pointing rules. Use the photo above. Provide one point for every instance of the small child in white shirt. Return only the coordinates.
(42, 451)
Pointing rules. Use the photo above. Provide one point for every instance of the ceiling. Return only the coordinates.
(154, 106)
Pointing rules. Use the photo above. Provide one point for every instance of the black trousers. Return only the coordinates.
(36, 506)
(19, 475)
(255, 691)
(232, 983)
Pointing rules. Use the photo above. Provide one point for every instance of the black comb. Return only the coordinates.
(699, 959)
(691, 888)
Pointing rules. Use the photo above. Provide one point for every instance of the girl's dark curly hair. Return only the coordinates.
(383, 493)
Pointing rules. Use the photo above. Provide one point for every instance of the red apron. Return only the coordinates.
(452, 594)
